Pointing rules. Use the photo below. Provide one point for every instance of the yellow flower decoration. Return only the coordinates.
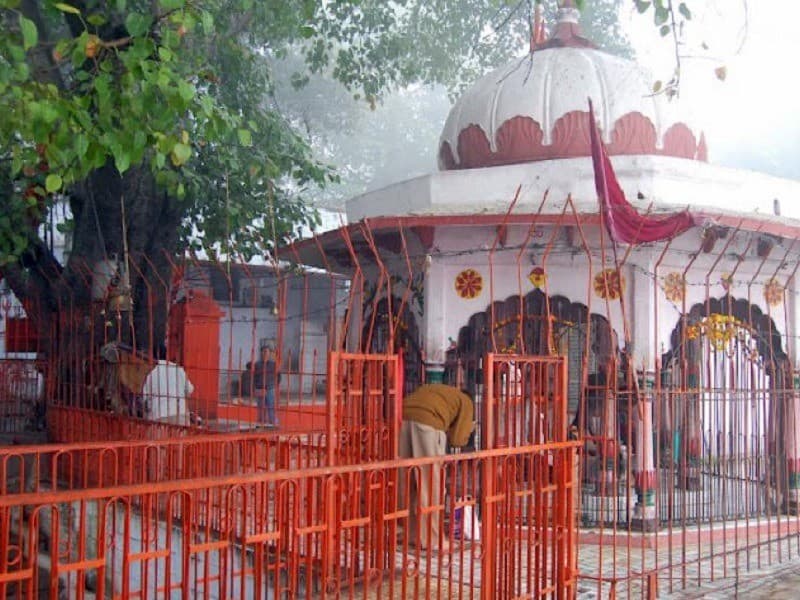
(727, 281)
(469, 284)
(609, 284)
(674, 287)
(773, 292)
(537, 277)
(717, 328)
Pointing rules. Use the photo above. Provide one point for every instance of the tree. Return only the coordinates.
(153, 120)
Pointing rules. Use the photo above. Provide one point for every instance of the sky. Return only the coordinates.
(751, 118)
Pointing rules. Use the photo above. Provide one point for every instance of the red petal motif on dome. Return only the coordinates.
(520, 138)
(517, 140)
(679, 141)
(570, 136)
(473, 148)
(633, 134)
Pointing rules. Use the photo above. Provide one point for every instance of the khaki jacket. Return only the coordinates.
(442, 407)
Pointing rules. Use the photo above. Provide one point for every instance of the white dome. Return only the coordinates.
(536, 108)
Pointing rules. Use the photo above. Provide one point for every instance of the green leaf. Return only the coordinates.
(661, 15)
(208, 22)
(67, 8)
(186, 90)
(81, 145)
(96, 19)
(122, 159)
(180, 154)
(684, 10)
(245, 137)
(137, 24)
(642, 6)
(53, 183)
(665, 29)
(171, 4)
(30, 36)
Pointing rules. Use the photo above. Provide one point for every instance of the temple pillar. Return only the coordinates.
(434, 321)
(791, 434)
(691, 446)
(606, 484)
(645, 478)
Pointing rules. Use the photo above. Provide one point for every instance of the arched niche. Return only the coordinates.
(721, 417)
(535, 324)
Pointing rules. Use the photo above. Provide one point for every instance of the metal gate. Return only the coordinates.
(364, 407)
(528, 499)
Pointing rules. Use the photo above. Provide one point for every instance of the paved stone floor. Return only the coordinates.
(783, 585)
(769, 568)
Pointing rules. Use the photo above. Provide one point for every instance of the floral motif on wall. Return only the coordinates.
(726, 279)
(537, 277)
(609, 284)
(469, 284)
(773, 292)
(674, 287)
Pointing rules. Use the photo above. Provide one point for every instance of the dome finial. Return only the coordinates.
(567, 33)
(538, 32)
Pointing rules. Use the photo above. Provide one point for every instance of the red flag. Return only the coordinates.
(624, 223)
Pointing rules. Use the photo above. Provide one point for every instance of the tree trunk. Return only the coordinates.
(123, 220)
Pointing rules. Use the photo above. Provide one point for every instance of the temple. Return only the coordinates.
(680, 342)
(623, 313)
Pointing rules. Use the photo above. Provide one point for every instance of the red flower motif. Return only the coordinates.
(609, 284)
(469, 283)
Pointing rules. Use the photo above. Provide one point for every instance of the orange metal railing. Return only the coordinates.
(99, 464)
(327, 532)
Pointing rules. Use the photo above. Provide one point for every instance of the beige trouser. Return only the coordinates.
(416, 441)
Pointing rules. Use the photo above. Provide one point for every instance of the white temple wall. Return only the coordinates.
(649, 314)
(504, 274)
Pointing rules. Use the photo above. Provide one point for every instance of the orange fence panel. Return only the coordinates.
(364, 406)
(525, 404)
(326, 532)
(102, 464)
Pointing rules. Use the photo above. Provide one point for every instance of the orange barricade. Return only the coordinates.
(525, 404)
(102, 464)
(364, 407)
(324, 532)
